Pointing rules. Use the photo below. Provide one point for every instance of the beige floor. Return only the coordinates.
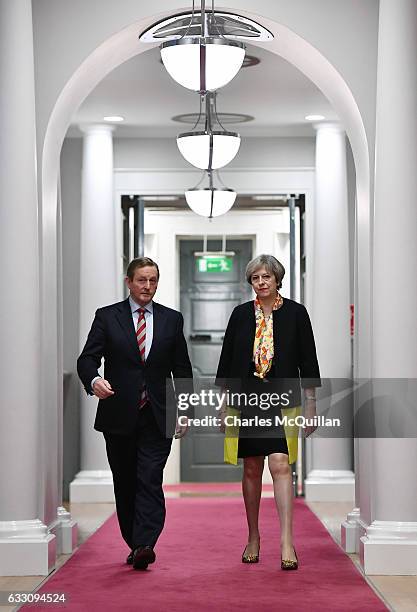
(399, 593)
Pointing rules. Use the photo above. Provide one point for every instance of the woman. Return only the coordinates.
(268, 339)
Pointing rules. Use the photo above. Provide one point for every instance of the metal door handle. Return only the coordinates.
(200, 337)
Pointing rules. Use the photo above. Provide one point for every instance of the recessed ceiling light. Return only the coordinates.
(114, 118)
(314, 117)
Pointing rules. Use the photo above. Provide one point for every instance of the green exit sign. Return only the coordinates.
(215, 263)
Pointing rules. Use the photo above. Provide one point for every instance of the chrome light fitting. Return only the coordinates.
(203, 63)
(203, 51)
(210, 201)
(209, 149)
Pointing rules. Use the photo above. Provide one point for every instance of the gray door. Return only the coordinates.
(209, 292)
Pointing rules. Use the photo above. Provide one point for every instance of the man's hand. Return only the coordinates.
(180, 430)
(102, 388)
(309, 413)
(222, 417)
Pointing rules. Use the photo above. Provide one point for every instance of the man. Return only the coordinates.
(143, 346)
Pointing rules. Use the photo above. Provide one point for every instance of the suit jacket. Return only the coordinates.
(113, 337)
(294, 352)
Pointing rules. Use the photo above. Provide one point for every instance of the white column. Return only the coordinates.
(26, 547)
(66, 528)
(390, 543)
(98, 287)
(349, 527)
(330, 476)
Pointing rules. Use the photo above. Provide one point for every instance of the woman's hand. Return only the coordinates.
(223, 412)
(309, 413)
(180, 430)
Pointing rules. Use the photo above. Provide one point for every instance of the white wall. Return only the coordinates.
(351, 185)
(71, 160)
(253, 153)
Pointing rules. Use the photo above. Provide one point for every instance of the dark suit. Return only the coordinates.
(138, 442)
(294, 350)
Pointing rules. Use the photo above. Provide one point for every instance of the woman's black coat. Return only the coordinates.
(294, 351)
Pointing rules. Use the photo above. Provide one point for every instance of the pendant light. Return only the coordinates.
(209, 149)
(204, 62)
(210, 201)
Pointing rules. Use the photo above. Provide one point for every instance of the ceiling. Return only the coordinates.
(274, 92)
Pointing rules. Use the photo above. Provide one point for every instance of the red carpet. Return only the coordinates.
(198, 567)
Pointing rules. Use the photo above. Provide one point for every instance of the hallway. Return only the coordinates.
(320, 120)
(399, 593)
(198, 557)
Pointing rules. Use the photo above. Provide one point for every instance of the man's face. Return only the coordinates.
(143, 285)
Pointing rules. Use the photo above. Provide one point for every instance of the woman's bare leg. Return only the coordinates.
(253, 468)
(283, 492)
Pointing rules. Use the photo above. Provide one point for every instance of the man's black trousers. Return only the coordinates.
(137, 463)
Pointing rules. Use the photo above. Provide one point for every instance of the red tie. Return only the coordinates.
(141, 338)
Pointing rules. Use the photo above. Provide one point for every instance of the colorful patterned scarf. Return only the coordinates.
(263, 346)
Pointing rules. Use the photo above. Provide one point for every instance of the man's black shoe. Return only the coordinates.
(129, 559)
(142, 557)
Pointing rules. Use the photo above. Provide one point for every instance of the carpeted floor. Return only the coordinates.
(198, 567)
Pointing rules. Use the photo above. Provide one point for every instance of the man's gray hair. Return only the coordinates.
(270, 263)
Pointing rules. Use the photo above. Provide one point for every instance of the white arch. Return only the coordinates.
(124, 45)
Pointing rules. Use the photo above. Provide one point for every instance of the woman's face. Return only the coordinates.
(264, 284)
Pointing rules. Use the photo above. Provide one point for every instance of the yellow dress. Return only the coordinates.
(231, 439)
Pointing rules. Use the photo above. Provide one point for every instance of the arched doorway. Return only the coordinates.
(114, 52)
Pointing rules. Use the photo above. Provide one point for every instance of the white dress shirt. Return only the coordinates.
(148, 320)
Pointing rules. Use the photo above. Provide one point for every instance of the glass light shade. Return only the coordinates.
(195, 148)
(210, 202)
(181, 59)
